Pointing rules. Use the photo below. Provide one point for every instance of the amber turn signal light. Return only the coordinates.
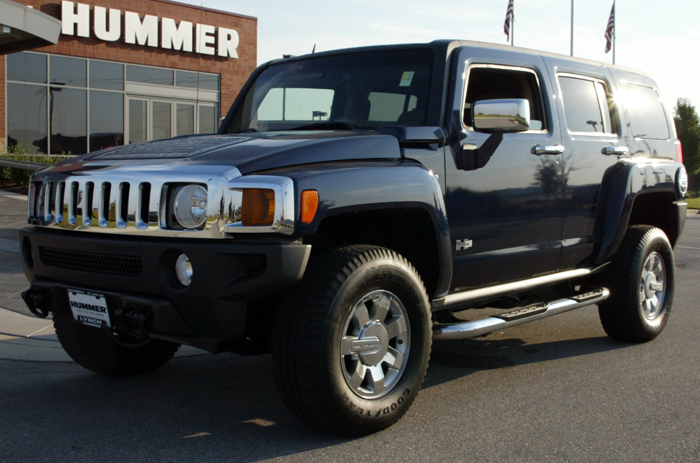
(309, 205)
(258, 207)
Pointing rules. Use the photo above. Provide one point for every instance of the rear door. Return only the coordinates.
(594, 139)
(505, 217)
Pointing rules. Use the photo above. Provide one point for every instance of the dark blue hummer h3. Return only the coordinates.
(353, 205)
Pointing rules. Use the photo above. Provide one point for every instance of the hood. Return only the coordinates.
(251, 152)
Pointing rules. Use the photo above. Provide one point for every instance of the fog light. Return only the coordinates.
(191, 206)
(183, 270)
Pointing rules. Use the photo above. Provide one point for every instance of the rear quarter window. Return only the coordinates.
(646, 114)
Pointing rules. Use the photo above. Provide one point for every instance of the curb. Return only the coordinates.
(32, 339)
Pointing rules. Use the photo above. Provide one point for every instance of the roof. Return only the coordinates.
(23, 28)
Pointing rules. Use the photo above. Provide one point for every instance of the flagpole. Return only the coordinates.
(572, 27)
(614, 34)
(512, 30)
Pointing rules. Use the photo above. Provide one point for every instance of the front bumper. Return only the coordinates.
(129, 270)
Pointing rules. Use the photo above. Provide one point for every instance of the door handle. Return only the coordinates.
(615, 150)
(540, 149)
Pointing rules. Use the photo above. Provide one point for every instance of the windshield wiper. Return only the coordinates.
(328, 125)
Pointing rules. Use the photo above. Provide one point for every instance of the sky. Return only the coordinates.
(661, 38)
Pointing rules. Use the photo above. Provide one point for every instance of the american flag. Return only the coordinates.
(610, 30)
(509, 20)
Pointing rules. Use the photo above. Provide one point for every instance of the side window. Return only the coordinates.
(586, 105)
(493, 83)
(646, 113)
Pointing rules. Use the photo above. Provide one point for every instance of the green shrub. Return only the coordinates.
(693, 203)
(18, 177)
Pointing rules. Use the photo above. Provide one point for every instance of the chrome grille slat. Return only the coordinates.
(122, 204)
(60, 193)
(46, 201)
(72, 203)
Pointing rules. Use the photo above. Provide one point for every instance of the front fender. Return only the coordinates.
(375, 186)
(623, 184)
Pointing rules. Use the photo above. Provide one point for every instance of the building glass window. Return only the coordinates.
(26, 67)
(190, 79)
(58, 104)
(207, 119)
(146, 75)
(68, 71)
(106, 119)
(26, 117)
(106, 76)
(68, 120)
(138, 120)
(162, 120)
(185, 119)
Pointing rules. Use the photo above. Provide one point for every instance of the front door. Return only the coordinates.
(506, 217)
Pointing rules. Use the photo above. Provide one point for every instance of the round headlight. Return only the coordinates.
(191, 206)
(183, 270)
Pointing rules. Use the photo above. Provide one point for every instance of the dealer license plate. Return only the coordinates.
(89, 308)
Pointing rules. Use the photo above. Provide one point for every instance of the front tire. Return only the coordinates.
(641, 286)
(352, 341)
(100, 351)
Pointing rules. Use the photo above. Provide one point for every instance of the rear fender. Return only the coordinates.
(624, 189)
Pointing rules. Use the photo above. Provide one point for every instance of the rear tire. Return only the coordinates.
(641, 282)
(352, 341)
(100, 351)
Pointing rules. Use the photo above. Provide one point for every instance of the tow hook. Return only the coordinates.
(38, 301)
(133, 320)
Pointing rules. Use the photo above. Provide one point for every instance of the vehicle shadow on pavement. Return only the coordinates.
(451, 360)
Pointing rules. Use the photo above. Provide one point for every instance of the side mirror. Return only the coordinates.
(505, 116)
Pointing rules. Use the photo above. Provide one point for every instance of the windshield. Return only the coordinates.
(356, 90)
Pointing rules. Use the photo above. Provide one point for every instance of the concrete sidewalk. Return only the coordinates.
(22, 335)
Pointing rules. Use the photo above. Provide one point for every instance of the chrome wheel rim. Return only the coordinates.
(652, 287)
(375, 344)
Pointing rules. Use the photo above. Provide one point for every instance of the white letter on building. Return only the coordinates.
(135, 30)
(205, 39)
(174, 36)
(228, 42)
(69, 18)
(115, 24)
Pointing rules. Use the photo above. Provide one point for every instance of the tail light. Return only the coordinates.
(679, 151)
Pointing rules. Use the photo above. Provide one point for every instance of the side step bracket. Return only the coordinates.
(518, 317)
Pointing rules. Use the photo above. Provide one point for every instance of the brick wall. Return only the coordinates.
(234, 71)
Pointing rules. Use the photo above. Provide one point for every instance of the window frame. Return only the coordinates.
(615, 125)
(545, 122)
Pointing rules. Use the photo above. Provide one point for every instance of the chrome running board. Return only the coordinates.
(517, 317)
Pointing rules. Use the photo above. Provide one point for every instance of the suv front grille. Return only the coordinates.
(89, 262)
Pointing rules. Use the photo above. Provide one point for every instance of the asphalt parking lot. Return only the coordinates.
(554, 390)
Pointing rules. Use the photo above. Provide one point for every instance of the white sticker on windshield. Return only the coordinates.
(406, 79)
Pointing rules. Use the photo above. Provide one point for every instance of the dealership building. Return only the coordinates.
(124, 71)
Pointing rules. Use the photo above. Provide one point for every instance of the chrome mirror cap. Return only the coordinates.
(503, 115)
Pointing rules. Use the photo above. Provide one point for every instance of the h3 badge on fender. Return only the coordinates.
(461, 245)
(89, 308)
